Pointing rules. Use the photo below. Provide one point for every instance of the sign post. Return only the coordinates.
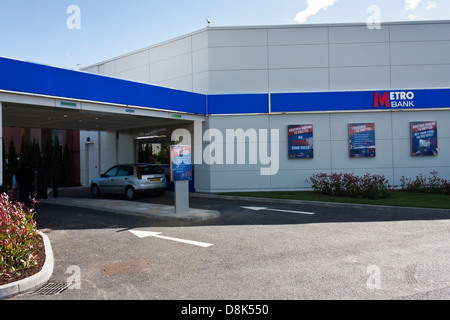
(181, 174)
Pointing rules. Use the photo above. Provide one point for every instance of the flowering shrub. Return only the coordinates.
(18, 234)
(432, 184)
(349, 185)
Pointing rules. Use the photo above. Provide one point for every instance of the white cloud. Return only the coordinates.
(412, 4)
(314, 6)
(412, 16)
(431, 5)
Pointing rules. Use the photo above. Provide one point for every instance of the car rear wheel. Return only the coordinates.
(130, 193)
(95, 190)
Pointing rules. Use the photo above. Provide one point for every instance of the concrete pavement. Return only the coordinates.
(150, 210)
(333, 254)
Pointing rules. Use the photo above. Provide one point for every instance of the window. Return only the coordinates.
(144, 170)
(125, 171)
(111, 172)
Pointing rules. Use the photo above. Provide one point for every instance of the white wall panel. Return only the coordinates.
(132, 61)
(140, 74)
(341, 159)
(420, 76)
(179, 66)
(232, 38)
(232, 58)
(420, 32)
(200, 60)
(201, 83)
(297, 80)
(320, 162)
(179, 83)
(360, 54)
(170, 49)
(354, 34)
(200, 41)
(292, 36)
(360, 78)
(293, 179)
(93, 69)
(239, 81)
(299, 56)
(108, 68)
(425, 52)
(320, 122)
(239, 180)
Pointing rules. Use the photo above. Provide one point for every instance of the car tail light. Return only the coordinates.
(138, 173)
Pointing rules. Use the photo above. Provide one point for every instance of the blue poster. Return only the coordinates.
(424, 139)
(180, 163)
(300, 141)
(361, 140)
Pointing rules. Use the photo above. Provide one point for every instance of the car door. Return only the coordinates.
(106, 180)
(124, 173)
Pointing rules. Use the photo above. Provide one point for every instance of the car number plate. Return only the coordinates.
(155, 179)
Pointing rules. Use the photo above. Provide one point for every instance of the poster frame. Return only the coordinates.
(353, 144)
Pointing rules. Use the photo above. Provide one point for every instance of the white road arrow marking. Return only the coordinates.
(278, 210)
(145, 234)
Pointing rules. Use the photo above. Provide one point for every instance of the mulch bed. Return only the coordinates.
(39, 249)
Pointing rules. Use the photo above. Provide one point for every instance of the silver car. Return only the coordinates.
(130, 179)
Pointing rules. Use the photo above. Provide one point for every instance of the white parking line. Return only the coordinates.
(278, 210)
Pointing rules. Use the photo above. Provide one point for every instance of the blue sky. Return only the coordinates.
(37, 30)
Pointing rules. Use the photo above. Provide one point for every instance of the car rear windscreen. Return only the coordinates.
(145, 170)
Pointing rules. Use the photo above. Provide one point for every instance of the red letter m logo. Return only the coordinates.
(382, 100)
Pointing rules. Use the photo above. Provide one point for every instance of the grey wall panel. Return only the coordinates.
(237, 58)
(340, 121)
(359, 54)
(341, 159)
(200, 61)
(238, 180)
(140, 74)
(132, 61)
(293, 179)
(320, 122)
(360, 78)
(299, 56)
(420, 32)
(179, 66)
(292, 36)
(171, 49)
(357, 34)
(297, 80)
(238, 81)
(321, 160)
(420, 76)
(417, 53)
(236, 37)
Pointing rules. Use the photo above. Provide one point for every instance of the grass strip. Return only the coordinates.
(398, 198)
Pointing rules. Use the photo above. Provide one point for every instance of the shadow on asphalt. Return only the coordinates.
(64, 217)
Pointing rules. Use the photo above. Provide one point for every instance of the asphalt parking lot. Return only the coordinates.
(253, 251)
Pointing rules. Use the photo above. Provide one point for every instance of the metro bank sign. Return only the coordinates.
(394, 99)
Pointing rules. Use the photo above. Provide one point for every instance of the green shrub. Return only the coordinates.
(349, 185)
(18, 233)
(422, 184)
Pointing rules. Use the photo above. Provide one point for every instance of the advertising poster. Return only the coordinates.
(180, 163)
(361, 138)
(424, 139)
(300, 141)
